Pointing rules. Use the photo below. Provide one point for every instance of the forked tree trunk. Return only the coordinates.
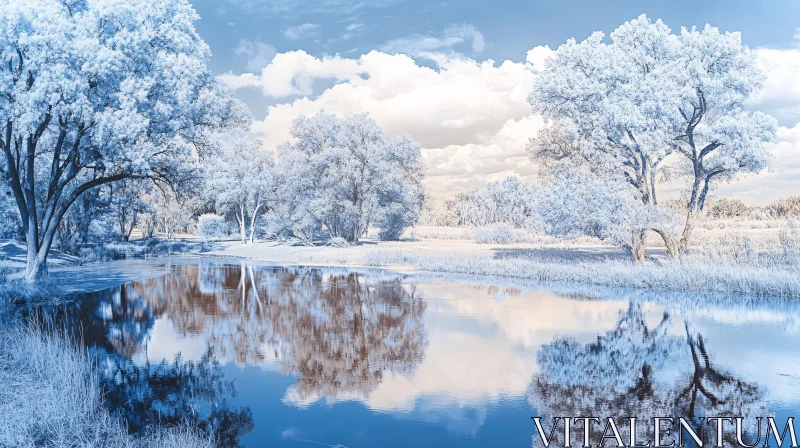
(36, 267)
(688, 228)
(253, 220)
(696, 203)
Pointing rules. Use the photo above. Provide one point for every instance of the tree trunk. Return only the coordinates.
(253, 220)
(692, 210)
(670, 243)
(36, 268)
(636, 248)
(129, 230)
(686, 236)
(241, 218)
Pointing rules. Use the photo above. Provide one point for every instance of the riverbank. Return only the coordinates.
(752, 259)
(762, 267)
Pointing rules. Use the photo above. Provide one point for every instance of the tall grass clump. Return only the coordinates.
(50, 396)
(14, 290)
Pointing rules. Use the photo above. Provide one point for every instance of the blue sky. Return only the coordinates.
(509, 28)
(454, 74)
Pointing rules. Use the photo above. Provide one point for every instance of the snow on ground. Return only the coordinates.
(725, 255)
(438, 241)
(15, 252)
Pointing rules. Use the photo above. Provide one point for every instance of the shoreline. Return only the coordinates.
(578, 262)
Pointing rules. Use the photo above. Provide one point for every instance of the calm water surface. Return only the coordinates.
(288, 356)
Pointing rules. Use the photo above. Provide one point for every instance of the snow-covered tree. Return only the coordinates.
(172, 211)
(622, 107)
(727, 208)
(348, 176)
(97, 91)
(509, 201)
(126, 204)
(241, 182)
(578, 203)
(718, 138)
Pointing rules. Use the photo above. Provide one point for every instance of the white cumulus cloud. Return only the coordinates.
(472, 117)
(781, 94)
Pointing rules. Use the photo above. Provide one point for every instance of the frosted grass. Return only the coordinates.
(50, 396)
(685, 275)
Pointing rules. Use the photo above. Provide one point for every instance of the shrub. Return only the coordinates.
(759, 214)
(727, 208)
(213, 227)
(499, 234)
(338, 242)
(393, 223)
(785, 208)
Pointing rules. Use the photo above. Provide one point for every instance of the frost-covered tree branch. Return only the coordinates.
(95, 92)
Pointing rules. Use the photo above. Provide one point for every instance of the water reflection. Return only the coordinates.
(618, 376)
(338, 334)
(326, 354)
(169, 393)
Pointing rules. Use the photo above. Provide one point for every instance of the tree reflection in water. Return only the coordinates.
(615, 377)
(170, 393)
(337, 331)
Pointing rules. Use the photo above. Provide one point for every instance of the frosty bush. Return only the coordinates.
(581, 204)
(499, 234)
(213, 227)
(760, 214)
(393, 221)
(790, 242)
(727, 208)
(509, 201)
(784, 208)
(338, 242)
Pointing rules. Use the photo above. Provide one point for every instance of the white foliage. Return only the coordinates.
(622, 107)
(500, 233)
(346, 175)
(100, 91)
(581, 204)
(509, 201)
(212, 227)
(241, 181)
(338, 242)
